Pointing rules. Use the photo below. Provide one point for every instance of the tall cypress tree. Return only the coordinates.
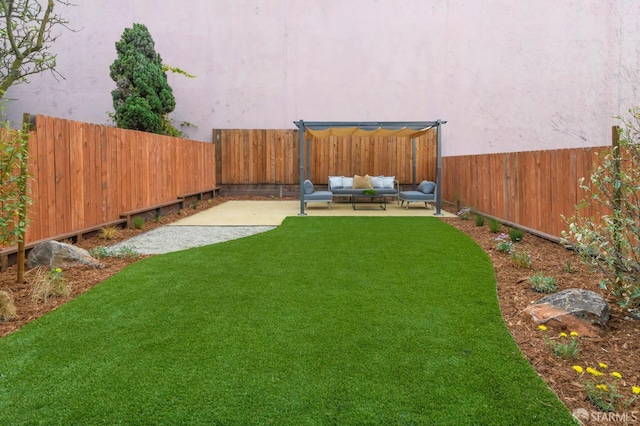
(142, 98)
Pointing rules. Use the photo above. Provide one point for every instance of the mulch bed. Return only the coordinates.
(617, 345)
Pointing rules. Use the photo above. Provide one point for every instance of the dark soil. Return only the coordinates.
(616, 345)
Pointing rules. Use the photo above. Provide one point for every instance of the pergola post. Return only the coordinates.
(438, 168)
(309, 159)
(300, 125)
(413, 164)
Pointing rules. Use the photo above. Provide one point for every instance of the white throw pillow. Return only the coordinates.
(335, 182)
(387, 182)
(347, 181)
(376, 181)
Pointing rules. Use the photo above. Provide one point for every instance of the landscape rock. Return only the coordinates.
(579, 310)
(60, 255)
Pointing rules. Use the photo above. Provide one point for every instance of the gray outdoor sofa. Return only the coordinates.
(344, 185)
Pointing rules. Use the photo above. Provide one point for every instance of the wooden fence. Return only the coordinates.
(84, 175)
(531, 189)
(248, 157)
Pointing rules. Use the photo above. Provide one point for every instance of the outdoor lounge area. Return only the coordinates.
(375, 187)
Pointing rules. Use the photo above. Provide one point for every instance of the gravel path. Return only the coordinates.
(174, 238)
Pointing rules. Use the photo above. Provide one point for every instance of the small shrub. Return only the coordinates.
(108, 232)
(479, 220)
(157, 217)
(465, 213)
(7, 307)
(516, 234)
(48, 283)
(569, 267)
(138, 222)
(504, 245)
(124, 252)
(521, 259)
(494, 225)
(99, 252)
(604, 390)
(566, 346)
(542, 283)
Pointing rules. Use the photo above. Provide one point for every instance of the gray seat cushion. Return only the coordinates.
(319, 196)
(416, 196)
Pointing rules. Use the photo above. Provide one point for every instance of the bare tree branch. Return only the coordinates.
(26, 33)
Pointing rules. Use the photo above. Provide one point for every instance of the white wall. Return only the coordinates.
(507, 75)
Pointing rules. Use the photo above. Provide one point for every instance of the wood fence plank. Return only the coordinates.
(76, 177)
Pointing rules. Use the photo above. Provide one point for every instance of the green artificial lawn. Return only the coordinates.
(324, 320)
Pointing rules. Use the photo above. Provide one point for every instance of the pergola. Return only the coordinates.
(408, 129)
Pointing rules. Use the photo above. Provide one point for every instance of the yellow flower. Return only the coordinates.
(563, 334)
(602, 364)
(635, 389)
(594, 372)
(616, 375)
(578, 369)
(574, 333)
(542, 327)
(58, 270)
(602, 386)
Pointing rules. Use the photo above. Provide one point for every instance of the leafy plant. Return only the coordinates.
(465, 213)
(108, 232)
(14, 189)
(516, 234)
(48, 283)
(7, 307)
(604, 390)
(543, 284)
(569, 267)
(123, 252)
(99, 252)
(566, 346)
(521, 259)
(494, 225)
(611, 244)
(138, 222)
(504, 245)
(480, 220)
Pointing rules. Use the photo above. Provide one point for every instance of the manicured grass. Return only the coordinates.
(321, 321)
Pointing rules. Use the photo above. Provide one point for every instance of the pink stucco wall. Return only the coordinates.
(507, 75)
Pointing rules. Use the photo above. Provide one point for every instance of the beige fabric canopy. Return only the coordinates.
(358, 131)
